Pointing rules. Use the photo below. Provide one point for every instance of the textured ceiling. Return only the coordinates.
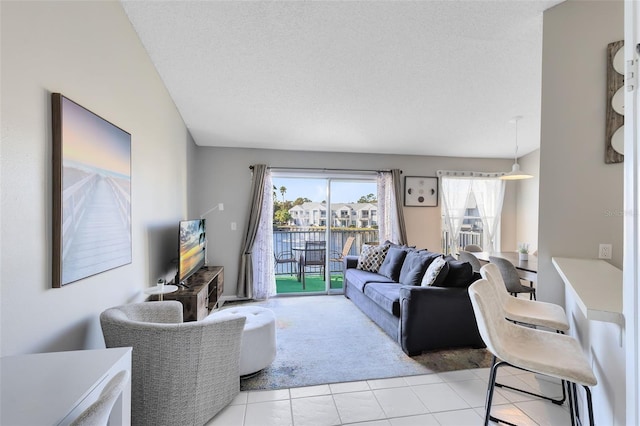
(430, 77)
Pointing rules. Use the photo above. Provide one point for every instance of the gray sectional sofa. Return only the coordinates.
(437, 315)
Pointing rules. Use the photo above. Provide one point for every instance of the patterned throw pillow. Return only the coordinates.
(371, 257)
(436, 273)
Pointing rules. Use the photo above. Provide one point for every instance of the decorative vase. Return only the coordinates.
(523, 256)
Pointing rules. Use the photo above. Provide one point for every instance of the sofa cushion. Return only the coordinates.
(385, 295)
(371, 257)
(358, 278)
(460, 274)
(414, 266)
(392, 263)
(436, 273)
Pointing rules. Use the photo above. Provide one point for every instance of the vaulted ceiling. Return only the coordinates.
(404, 77)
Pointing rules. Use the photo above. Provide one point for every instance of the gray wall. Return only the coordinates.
(88, 52)
(223, 176)
(581, 197)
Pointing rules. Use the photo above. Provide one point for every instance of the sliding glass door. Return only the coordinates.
(316, 219)
(354, 221)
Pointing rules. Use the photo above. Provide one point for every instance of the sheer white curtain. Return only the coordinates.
(489, 194)
(391, 225)
(264, 279)
(455, 195)
(385, 219)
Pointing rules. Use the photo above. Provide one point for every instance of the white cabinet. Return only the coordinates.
(593, 303)
(54, 388)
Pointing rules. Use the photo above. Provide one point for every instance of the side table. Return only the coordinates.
(160, 290)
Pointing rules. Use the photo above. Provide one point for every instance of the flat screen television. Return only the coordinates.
(191, 250)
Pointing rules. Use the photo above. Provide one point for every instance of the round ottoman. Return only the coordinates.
(258, 348)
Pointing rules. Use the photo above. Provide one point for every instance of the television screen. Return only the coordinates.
(191, 255)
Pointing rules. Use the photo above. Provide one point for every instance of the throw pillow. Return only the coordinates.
(371, 257)
(414, 266)
(436, 273)
(392, 263)
(460, 274)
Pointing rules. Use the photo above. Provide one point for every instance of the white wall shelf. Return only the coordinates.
(597, 286)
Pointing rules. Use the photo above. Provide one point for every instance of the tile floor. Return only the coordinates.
(455, 398)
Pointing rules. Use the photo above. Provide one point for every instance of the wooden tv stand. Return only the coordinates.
(203, 294)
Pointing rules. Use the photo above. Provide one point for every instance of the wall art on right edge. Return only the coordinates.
(614, 128)
(420, 191)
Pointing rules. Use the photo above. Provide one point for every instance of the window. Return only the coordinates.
(471, 231)
(472, 206)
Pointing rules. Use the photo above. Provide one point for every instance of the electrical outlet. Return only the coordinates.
(234, 226)
(220, 206)
(604, 251)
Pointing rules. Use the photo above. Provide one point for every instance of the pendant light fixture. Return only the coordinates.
(515, 173)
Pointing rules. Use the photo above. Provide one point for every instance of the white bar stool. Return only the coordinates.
(527, 312)
(531, 312)
(552, 354)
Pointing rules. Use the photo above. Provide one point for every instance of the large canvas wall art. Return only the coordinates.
(91, 193)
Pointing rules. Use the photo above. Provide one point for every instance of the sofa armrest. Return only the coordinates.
(436, 318)
(350, 262)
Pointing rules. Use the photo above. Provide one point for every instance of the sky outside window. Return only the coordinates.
(316, 190)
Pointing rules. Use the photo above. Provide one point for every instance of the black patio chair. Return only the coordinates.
(284, 258)
(313, 255)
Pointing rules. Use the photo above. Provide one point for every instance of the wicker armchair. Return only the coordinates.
(182, 373)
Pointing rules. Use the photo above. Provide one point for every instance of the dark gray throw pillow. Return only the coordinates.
(414, 266)
(392, 264)
(460, 274)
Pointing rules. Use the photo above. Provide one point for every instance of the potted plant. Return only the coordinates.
(523, 251)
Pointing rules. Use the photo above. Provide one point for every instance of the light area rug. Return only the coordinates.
(327, 339)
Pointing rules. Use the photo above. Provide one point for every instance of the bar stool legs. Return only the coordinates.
(572, 396)
(589, 404)
(492, 384)
(574, 409)
(548, 398)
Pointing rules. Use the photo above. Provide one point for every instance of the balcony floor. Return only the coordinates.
(286, 284)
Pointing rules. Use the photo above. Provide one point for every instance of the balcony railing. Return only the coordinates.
(284, 240)
(464, 238)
